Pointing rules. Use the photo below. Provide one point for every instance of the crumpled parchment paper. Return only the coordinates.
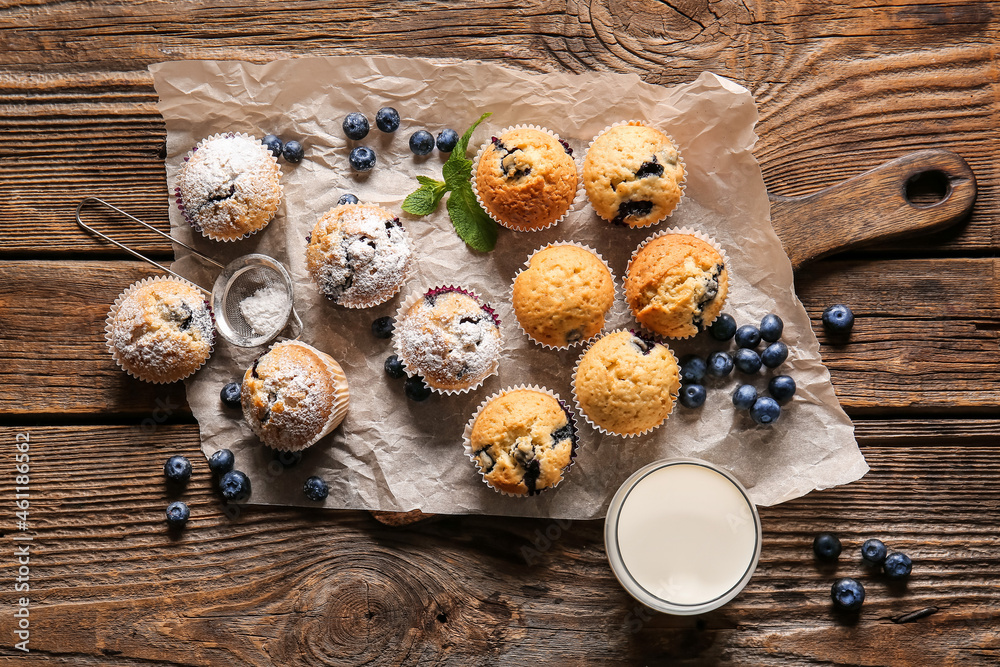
(396, 455)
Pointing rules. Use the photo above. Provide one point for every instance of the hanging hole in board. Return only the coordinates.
(927, 188)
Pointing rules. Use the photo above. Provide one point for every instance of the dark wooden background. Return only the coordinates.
(842, 87)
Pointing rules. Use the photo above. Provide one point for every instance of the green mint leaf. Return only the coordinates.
(425, 199)
(474, 227)
(458, 168)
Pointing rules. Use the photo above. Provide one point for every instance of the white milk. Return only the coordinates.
(685, 534)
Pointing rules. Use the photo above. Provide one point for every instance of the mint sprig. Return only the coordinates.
(471, 222)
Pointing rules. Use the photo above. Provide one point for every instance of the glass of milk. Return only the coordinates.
(682, 536)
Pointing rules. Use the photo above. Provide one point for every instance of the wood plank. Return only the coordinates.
(111, 585)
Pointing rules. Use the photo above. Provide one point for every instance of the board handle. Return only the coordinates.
(873, 206)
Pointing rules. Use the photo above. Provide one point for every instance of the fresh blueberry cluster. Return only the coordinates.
(415, 388)
(363, 158)
(848, 594)
(292, 151)
(177, 470)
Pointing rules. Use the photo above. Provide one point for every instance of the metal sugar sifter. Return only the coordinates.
(252, 299)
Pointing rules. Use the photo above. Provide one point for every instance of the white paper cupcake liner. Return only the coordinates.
(190, 218)
(109, 324)
(614, 287)
(578, 197)
(358, 304)
(682, 184)
(689, 231)
(570, 416)
(410, 369)
(586, 417)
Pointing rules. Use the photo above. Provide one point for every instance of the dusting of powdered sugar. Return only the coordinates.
(264, 310)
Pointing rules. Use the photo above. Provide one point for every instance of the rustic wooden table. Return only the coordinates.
(842, 87)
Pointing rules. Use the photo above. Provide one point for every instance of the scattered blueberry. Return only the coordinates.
(848, 594)
(235, 486)
(693, 369)
(178, 513)
(781, 387)
(826, 546)
(748, 336)
(747, 360)
(394, 367)
(221, 462)
(421, 142)
(744, 396)
(765, 411)
(382, 327)
(387, 119)
(293, 152)
(720, 364)
(177, 469)
(774, 354)
(273, 143)
(873, 552)
(416, 389)
(362, 158)
(347, 199)
(897, 565)
(287, 459)
(723, 328)
(693, 395)
(838, 319)
(230, 395)
(356, 126)
(771, 327)
(447, 140)
(315, 489)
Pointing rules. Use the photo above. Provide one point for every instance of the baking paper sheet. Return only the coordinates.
(395, 455)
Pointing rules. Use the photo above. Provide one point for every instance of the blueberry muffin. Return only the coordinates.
(449, 338)
(160, 330)
(293, 395)
(633, 175)
(626, 384)
(229, 186)
(563, 295)
(526, 179)
(522, 441)
(358, 255)
(676, 284)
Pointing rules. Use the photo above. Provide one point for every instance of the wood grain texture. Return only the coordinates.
(111, 585)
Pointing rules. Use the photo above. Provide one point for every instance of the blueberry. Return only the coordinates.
(315, 488)
(693, 369)
(293, 152)
(765, 411)
(394, 367)
(826, 547)
(347, 199)
(421, 142)
(177, 469)
(897, 565)
(362, 158)
(781, 387)
(177, 513)
(693, 395)
(771, 327)
(720, 364)
(873, 552)
(287, 459)
(447, 140)
(273, 143)
(838, 319)
(747, 361)
(748, 336)
(744, 396)
(387, 119)
(723, 328)
(230, 395)
(416, 389)
(848, 594)
(356, 126)
(774, 354)
(382, 327)
(221, 462)
(235, 486)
